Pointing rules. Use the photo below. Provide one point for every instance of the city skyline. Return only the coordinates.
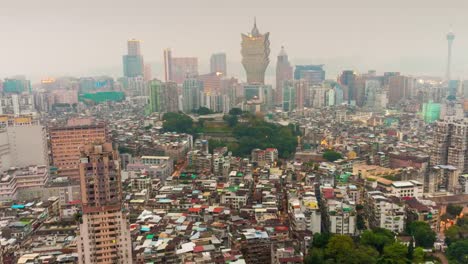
(414, 46)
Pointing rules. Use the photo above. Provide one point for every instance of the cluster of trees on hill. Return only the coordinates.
(250, 134)
(373, 246)
(456, 236)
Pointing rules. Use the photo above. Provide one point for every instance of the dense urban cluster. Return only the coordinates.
(204, 168)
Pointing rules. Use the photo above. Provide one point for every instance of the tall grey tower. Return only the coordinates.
(450, 38)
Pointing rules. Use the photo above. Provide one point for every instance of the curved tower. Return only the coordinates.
(255, 50)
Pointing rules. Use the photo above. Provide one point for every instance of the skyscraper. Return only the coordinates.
(450, 38)
(192, 91)
(218, 63)
(104, 231)
(133, 65)
(347, 80)
(284, 72)
(400, 87)
(212, 82)
(167, 65)
(313, 74)
(255, 50)
(183, 68)
(163, 97)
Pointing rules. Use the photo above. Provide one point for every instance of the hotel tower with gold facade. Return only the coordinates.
(255, 55)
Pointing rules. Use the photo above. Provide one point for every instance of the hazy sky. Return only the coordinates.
(41, 38)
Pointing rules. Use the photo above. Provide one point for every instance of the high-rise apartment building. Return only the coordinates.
(284, 72)
(192, 90)
(450, 144)
(183, 68)
(66, 141)
(255, 55)
(133, 64)
(104, 231)
(399, 88)
(167, 65)
(163, 97)
(218, 63)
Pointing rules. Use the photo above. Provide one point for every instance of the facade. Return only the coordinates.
(289, 96)
(66, 141)
(137, 86)
(400, 87)
(284, 72)
(385, 212)
(304, 214)
(313, 74)
(133, 64)
(104, 231)
(192, 91)
(167, 65)
(407, 189)
(262, 93)
(17, 104)
(347, 81)
(218, 63)
(183, 68)
(16, 85)
(342, 218)
(431, 112)
(255, 51)
(163, 97)
(23, 142)
(443, 179)
(450, 144)
(212, 82)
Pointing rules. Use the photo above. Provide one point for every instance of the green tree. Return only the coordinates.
(331, 155)
(235, 111)
(365, 255)
(423, 234)
(377, 238)
(360, 222)
(231, 120)
(320, 240)
(339, 248)
(395, 253)
(315, 256)
(458, 251)
(452, 234)
(418, 255)
(177, 122)
(204, 111)
(454, 210)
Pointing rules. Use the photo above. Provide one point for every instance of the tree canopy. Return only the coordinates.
(235, 111)
(458, 251)
(422, 233)
(374, 246)
(260, 134)
(331, 155)
(177, 122)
